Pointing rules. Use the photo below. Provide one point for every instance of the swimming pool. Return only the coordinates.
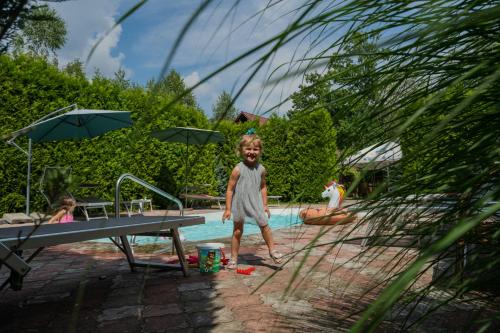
(214, 228)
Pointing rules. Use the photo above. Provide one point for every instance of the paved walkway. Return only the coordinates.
(88, 287)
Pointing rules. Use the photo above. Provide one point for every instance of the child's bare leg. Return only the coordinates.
(268, 236)
(235, 241)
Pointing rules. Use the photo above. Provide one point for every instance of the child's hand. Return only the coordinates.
(226, 216)
(266, 209)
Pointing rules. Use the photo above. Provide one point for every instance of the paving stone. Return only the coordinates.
(128, 282)
(53, 297)
(242, 301)
(168, 323)
(161, 298)
(163, 285)
(93, 287)
(236, 291)
(231, 283)
(128, 325)
(161, 310)
(231, 327)
(193, 286)
(36, 286)
(252, 312)
(288, 305)
(205, 305)
(61, 284)
(269, 286)
(122, 312)
(269, 324)
(209, 318)
(77, 321)
(118, 300)
(198, 295)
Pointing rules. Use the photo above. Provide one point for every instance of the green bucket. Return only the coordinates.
(209, 255)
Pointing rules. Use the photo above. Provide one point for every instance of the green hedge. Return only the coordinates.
(299, 153)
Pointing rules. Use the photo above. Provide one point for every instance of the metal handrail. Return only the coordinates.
(146, 185)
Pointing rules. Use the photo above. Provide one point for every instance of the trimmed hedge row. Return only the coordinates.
(299, 152)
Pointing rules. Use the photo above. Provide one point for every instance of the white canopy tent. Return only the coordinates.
(378, 156)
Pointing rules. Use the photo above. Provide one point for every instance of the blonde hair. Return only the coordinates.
(248, 139)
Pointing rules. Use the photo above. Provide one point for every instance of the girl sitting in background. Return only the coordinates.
(65, 212)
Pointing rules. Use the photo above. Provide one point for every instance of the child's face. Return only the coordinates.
(251, 153)
(70, 208)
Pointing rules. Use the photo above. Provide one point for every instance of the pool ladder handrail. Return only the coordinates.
(146, 185)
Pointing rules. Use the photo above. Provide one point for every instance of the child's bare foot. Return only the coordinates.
(276, 256)
(232, 264)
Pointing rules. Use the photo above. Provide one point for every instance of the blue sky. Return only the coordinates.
(141, 44)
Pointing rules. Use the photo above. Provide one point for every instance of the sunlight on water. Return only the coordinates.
(214, 228)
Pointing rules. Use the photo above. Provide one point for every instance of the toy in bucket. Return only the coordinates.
(210, 256)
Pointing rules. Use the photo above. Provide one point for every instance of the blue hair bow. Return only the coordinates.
(250, 131)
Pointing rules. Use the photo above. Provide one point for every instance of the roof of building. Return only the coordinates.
(247, 116)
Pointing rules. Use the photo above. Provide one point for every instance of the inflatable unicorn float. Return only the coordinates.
(333, 214)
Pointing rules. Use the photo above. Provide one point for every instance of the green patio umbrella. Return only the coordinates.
(75, 124)
(188, 135)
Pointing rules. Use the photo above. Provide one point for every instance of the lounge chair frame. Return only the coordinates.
(15, 239)
(140, 204)
(204, 197)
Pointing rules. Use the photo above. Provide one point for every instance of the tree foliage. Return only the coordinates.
(32, 87)
(174, 85)
(30, 26)
(224, 107)
(345, 76)
(42, 34)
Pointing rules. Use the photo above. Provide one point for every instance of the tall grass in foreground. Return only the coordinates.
(435, 87)
(437, 84)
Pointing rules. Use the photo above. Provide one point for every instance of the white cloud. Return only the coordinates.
(207, 92)
(213, 41)
(219, 35)
(86, 22)
(192, 79)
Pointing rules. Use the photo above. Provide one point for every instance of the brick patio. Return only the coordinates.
(88, 287)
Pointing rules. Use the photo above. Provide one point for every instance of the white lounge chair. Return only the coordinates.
(204, 197)
(91, 207)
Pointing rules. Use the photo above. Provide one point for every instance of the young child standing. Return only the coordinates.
(246, 197)
(65, 212)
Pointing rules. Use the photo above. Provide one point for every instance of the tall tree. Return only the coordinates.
(346, 89)
(121, 80)
(75, 68)
(224, 107)
(30, 25)
(42, 34)
(174, 85)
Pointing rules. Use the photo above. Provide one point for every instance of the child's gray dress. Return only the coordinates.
(247, 205)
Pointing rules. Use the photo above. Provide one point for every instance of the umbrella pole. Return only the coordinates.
(28, 183)
(28, 153)
(186, 176)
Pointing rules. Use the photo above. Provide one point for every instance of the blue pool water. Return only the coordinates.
(214, 228)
